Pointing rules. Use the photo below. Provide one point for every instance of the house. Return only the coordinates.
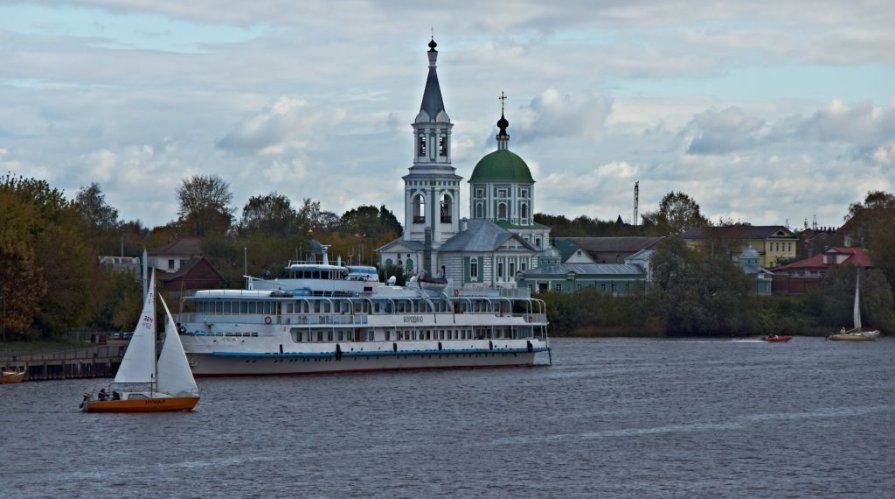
(601, 249)
(193, 274)
(483, 254)
(805, 275)
(774, 243)
(552, 274)
(126, 264)
(170, 257)
(762, 277)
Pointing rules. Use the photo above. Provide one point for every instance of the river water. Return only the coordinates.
(610, 418)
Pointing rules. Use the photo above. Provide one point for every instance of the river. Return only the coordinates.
(610, 418)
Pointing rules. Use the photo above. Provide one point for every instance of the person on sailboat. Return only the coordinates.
(102, 395)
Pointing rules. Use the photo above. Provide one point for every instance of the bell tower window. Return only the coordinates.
(421, 149)
(447, 207)
(442, 146)
(419, 209)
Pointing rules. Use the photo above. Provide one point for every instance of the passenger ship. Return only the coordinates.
(328, 318)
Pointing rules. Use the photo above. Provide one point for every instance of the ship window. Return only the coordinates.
(329, 336)
(218, 308)
(319, 335)
(340, 335)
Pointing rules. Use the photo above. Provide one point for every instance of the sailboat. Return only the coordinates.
(142, 383)
(857, 333)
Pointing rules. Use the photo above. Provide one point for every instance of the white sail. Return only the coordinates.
(857, 310)
(138, 363)
(174, 374)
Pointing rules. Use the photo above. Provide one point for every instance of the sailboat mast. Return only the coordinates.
(857, 309)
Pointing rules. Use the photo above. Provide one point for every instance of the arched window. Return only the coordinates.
(502, 211)
(421, 145)
(409, 265)
(479, 210)
(388, 262)
(523, 211)
(419, 209)
(447, 208)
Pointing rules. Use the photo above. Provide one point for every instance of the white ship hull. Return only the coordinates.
(369, 357)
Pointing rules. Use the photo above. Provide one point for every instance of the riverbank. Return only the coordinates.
(62, 359)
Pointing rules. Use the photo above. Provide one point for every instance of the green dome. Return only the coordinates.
(501, 166)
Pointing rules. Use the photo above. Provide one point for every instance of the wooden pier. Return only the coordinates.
(99, 361)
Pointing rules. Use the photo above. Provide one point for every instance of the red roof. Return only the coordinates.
(853, 256)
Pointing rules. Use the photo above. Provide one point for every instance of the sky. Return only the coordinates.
(766, 112)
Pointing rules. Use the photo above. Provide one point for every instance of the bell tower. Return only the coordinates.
(432, 188)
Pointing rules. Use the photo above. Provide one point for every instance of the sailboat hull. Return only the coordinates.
(163, 404)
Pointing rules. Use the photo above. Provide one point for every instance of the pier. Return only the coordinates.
(97, 361)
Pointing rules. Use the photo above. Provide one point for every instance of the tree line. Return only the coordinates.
(700, 293)
(51, 280)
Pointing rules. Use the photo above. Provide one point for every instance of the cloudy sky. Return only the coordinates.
(768, 112)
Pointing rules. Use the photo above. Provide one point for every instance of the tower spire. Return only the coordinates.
(502, 136)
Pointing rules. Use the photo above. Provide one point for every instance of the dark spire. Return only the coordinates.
(502, 137)
(432, 102)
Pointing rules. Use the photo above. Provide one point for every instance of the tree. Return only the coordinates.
(90, 202)
(839, 293)
(701, 294)
(205, 204)
(677, 213)
(269, 214)
(21, 288)
(875, 200)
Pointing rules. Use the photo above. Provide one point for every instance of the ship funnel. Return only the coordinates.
(325, 256)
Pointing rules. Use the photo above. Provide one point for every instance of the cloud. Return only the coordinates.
(718, 132)
(286, 125)
(552, 114)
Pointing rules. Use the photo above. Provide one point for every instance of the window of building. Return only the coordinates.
(501, 193)
(502, 211)
(500, 270)
(442, 146)
(523, 211)
(447, 209)
(512, 269)
(479, 192)
(421, 146)
(171, 264)
(523, 193)
(419, 209)
(474, 269)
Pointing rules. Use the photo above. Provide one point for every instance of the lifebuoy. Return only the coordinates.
(457, 292)
(529, 319)
(267, 320)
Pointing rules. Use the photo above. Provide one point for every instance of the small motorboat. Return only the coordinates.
(776, 338)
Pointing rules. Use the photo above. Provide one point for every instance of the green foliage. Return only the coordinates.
(677, 213)
(587, 312)
(701, 294)
(21, 288)
(270, 214)
(838, 299)
(119, 301)
(205, 204)
(560, 226)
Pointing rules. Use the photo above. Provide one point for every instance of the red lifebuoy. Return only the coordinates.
(267, 320)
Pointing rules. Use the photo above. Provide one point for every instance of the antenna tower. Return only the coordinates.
(636, 202)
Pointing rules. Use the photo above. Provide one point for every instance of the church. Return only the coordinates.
(499, 241)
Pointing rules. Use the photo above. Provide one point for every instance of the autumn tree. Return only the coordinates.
(677, 213)
(269, 214)
(205, 204)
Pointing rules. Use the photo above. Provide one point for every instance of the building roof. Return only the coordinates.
(414, 246)
(585, 269)
(188, 246)
(481, 236)
(739, 232)
(510, 226)
(501, 166)
(432, 102)
(853, 256)
(593, 245)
